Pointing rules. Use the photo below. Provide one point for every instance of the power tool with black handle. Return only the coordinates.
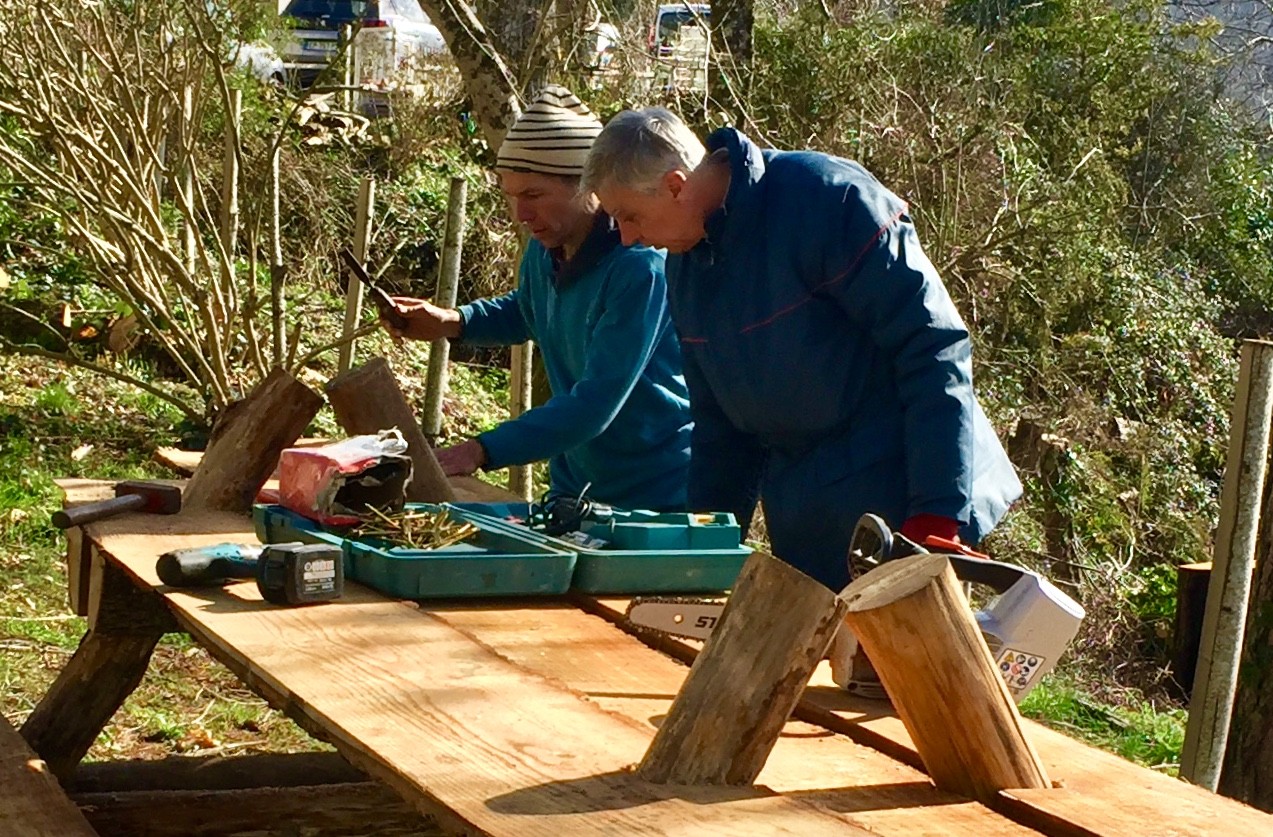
(285, 573)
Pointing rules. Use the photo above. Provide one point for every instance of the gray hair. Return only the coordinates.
(637, 147)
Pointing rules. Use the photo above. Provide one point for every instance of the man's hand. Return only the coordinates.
(462, 459)
(425, 321)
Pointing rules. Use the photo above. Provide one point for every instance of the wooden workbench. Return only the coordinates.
(524, 717)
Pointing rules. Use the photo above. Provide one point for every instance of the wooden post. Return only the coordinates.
(521, 478)
(230, 181)
(448, 288)
(353, 292)
(748, 678)
(1245, 775)
(347, 71)
(915, 624)
(278, 275)
(368, 400)
(1224, 623)
(246, 443)
(189, 236)
(1191, 604)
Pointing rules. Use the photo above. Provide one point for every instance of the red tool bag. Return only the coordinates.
(334, 484)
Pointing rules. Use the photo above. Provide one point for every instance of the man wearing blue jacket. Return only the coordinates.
(618, 424)
(829, 372)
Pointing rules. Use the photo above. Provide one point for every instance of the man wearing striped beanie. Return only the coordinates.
(617, 427)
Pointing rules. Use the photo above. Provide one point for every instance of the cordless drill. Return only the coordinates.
(285, 573)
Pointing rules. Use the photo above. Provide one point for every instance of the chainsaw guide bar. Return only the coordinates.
(687, 617)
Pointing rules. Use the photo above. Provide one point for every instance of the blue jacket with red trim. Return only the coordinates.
(828, 369)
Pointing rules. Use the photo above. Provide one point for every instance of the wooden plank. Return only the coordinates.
(453, 727)
(1147, 803)
(219, 772)
(32, 803)
(590, 656)
(365, 809)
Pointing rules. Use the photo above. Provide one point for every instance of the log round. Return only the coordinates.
(246, 442)
(367, 399)
(912, 618)
(747, 680)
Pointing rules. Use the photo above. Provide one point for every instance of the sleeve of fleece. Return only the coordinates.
(726, 464)
(891, 288)
(620, 347)
(498, 321)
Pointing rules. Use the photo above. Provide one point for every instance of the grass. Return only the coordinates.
(1137, 731)
(57, 423)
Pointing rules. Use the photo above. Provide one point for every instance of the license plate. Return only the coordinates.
(325, 47)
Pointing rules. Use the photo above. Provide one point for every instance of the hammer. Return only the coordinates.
(134, 495)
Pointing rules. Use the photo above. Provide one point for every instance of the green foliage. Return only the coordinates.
(1138, 730)
(1104, 221)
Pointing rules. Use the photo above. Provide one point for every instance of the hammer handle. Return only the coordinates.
(90, 512)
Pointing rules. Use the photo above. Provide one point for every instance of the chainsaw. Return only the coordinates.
(1027, 626)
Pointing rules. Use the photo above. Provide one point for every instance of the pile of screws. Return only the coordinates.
(413, 528)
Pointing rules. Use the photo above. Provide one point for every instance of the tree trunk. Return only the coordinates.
(751, 674)
(367, 399)
(487, 78)
(518, 29)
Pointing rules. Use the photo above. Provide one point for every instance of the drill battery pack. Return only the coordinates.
(296, 573)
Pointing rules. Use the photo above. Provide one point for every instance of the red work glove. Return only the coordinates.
(921, 526)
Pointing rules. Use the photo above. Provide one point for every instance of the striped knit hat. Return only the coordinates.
(552, 136)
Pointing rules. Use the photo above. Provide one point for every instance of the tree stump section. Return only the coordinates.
(246, 442)
(913, 620)
(1191, 604)
(367, 399)
(747, 680)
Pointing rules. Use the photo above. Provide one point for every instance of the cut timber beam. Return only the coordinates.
(246, 443)
(913, 620)
(367, 400)
(742, 688)
(365, 809)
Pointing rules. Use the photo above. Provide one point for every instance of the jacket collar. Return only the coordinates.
(746, 170)
(602, 238)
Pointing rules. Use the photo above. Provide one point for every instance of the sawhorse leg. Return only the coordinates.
(125, 624)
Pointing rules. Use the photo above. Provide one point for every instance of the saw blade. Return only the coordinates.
(687, 617)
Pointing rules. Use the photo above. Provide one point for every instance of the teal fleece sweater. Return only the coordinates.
(618, 423)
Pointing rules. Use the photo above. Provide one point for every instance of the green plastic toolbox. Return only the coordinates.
(499, 561)
(644, 551)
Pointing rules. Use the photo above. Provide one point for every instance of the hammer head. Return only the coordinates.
(161, 498)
